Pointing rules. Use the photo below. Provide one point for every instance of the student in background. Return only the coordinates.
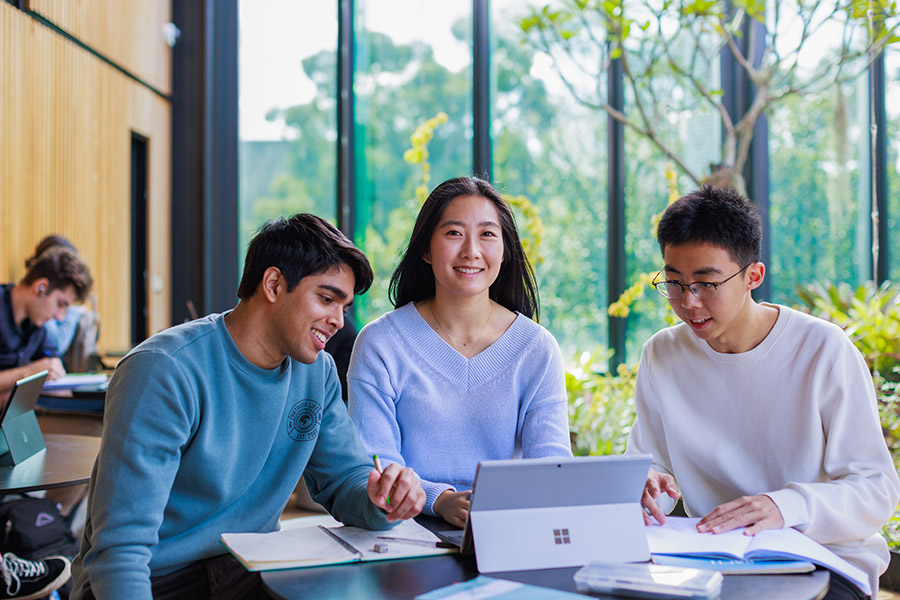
(459, 372)
(54, 281)
(59, 332)
(759, 415)
(209, 425)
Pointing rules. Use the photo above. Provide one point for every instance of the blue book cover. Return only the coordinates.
(734, 566)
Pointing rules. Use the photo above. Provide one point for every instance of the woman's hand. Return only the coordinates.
(453, 507)
(657, 483)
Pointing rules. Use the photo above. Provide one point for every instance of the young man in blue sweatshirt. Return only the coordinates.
(210, 424)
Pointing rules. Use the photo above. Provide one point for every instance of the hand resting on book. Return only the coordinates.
(756, 513)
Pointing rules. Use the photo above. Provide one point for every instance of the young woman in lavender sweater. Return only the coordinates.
(459, 372)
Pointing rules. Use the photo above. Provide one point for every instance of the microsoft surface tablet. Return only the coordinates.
(558, 512)
(20, 434)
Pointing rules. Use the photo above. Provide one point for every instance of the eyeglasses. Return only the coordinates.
(702, 290)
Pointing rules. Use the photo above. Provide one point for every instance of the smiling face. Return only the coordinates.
(466, 249)
(45, 305)
(721, 320)
(304, 319)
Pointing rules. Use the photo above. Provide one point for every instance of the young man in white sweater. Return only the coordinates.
(758, 415)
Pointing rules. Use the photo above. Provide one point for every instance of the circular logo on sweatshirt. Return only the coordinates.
(303, 421)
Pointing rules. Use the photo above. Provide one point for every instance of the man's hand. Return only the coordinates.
(756, 513)
(453, 506)
(52, 365)
(397, 491)
(657, 483)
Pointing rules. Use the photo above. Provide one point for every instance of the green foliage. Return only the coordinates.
(418, 152)
(816, 196)
(891, 532)
(601, 404)
(621, 308)
(531, 227)
(869, 314)
(889, 411)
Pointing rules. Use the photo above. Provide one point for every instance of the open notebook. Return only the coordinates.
(679, 537)
(317, 545)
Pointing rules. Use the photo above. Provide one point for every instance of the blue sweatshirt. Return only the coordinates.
(418, 402)
(198, 441)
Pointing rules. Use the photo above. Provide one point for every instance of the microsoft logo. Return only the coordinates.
(561, 536)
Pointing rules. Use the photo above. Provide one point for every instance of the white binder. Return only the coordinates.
(558, 512)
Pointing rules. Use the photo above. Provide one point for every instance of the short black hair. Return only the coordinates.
(720, 216)
(299, 246)
(61, 267)
(413, 280)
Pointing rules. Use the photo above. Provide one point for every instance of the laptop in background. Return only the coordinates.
(20, 434)
(557, 512)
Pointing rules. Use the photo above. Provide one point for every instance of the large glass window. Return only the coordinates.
(817, 144)
(551, 149)
(892, 77)
(818, 206)
(287, 112)
(549, 132)
(670, 94)
(413, 61)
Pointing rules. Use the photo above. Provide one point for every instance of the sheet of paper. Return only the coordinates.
(364, 540)
(680, 536)
(292, 547)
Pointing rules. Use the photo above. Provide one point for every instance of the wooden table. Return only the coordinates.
(68, 460)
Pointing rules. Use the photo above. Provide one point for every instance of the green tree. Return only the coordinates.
(815, 209)
(669, 53)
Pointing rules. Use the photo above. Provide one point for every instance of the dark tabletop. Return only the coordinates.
(405, 579)
(67, 460)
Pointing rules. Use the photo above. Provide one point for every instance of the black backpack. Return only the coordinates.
(32, 528)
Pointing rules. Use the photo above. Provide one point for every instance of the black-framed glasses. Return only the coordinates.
(702, 290)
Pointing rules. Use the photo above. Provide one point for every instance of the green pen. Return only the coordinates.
(378, 468)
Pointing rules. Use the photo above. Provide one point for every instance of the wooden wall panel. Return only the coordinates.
(130, 33)
(66, 119)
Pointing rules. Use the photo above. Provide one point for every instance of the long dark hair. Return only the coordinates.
(413, 280)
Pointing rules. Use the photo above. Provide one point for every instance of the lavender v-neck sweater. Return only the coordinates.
(418, 402)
